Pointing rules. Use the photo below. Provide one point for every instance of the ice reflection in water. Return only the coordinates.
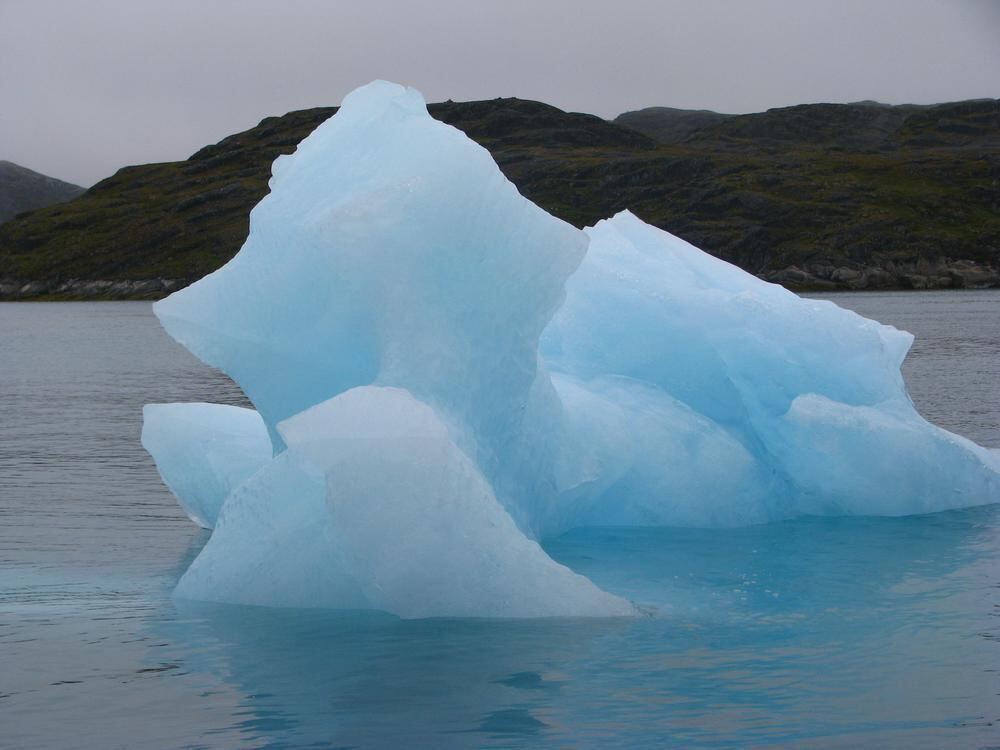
(804, 632)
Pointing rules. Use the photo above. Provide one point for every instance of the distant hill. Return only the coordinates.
(22, 190)
(669, 125)
(819, 196)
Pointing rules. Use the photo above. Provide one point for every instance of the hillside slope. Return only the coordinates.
(815, 197)
(22, 189)
(670, 125)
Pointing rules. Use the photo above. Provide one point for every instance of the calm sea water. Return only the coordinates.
(834, 633)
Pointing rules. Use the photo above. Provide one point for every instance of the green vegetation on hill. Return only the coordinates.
(816, 196)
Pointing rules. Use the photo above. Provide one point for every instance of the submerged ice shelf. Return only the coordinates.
(445, 374)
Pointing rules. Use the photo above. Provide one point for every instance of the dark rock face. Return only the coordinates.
(24, 190)
(859, 196)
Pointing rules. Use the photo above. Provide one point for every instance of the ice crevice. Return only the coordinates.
(444, 375)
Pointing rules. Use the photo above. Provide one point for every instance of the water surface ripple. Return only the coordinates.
(817, 633)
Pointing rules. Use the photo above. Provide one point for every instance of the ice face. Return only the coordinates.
(446, 374)
(372, 505)
(273, 546)
(417, 523)
(880, 460)
(204, 452)
(633, 455)
(746, 402)
(649, 306)
(389, 251)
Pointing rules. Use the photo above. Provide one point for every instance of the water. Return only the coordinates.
(832, 633)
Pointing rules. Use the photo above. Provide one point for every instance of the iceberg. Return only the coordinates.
(445, 375)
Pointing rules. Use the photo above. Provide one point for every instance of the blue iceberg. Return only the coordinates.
(445, 375)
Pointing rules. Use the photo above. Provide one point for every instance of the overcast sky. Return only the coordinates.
(89, 86)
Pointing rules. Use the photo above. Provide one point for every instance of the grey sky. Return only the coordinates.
(88, 87)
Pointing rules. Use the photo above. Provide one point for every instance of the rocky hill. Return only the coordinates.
(22, 189)
(669, 125)
(823, 196)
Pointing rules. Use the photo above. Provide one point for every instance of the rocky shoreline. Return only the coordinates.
(919, 274)
(811, 277)
(88, 289)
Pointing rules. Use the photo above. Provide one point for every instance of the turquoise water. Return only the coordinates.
(818, 633)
